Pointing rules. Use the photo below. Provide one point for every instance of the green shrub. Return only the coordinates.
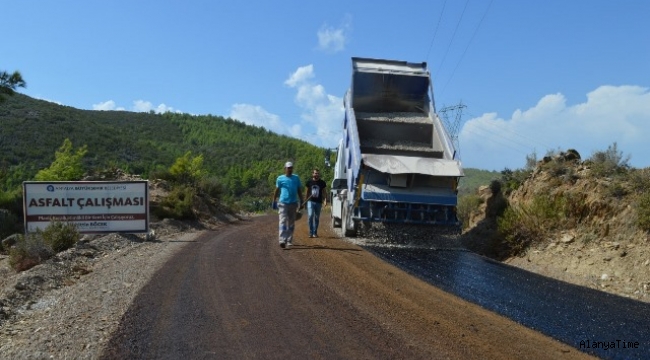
(609, 162)
(11, 213)
(516, 230)
(570, 175)
(233, 204)
(549, 209)
(252, 204)
(9, 224)
(643, 221)
(467, 205)
(589, 237)
(178, 204)
(28, 252)
(188, 170)
(211, 187)
(640, 180)
(12, 201)
(67, 165)
(575, 206)
(162, 174)
(60, 236)
(527, 224)
(616, 190)
(512, 180)
(556, 167)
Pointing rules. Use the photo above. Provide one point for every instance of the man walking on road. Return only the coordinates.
(316, 199)
(288, 188)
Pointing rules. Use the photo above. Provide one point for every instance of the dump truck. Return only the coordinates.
(395, 162)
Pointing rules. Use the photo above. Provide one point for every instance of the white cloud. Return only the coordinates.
(106, 106)
(610, 114)
(295, 130)
(323, 112)
(303, 74)
(138, 106)
(146, 106)
(257, 116)
(331, 39)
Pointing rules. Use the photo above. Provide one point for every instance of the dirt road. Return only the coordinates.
(237, 294)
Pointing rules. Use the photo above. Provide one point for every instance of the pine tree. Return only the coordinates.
(9, 83)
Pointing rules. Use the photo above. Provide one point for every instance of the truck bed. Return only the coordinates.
(398, 133)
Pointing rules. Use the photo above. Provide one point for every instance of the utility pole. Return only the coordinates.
(453, 125)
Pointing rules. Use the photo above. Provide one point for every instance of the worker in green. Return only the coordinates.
(287, 188)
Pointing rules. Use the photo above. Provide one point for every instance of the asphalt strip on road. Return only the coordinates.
(595, 322)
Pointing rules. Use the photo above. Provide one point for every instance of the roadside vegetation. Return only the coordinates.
(33, 248)
(207, 163)
(561, 192)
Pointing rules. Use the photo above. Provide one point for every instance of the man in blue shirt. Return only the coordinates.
(287, 187)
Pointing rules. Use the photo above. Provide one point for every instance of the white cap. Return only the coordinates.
(288, 164)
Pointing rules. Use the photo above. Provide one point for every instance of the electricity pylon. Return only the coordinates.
(453, 125)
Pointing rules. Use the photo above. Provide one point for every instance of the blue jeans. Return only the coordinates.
(313, 210)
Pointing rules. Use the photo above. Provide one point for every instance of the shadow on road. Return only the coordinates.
(324, 247)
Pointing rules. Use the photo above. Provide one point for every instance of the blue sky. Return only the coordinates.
(534, 75)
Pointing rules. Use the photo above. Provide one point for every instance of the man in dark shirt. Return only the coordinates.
(316, 199)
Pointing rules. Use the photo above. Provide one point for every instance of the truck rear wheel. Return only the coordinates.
(349, 228)
(336, 223)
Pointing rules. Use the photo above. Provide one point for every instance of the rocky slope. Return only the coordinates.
(594, 242)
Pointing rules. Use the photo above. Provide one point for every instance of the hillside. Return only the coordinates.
(584, 222)
(244, 159)
(475, 178)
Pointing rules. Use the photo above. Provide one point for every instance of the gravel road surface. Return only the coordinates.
(236, 294)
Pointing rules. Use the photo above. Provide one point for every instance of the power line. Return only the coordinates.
(468, 44)
(517, 147)
(525, 138)
(507, 138)
(508, 142)
(436, 30)
(453, 36)
(517, 151)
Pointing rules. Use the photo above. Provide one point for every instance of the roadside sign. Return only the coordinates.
(95, 207)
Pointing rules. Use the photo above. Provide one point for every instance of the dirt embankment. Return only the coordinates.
(596, 243)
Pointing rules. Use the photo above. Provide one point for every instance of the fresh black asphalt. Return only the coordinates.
(598, 323)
